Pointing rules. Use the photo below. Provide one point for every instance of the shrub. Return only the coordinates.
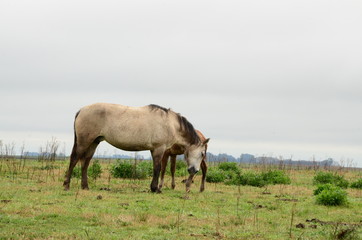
(322, 187)
(181, 168)
(331, 195)
(94, 171)
(143, 170)
(249, 178)
(276, 177)
(77, 173)
(215, 175)
(229, 166)
(327, 177)
(252, 179)
(139, 170)
(122, 170)
(357, 184)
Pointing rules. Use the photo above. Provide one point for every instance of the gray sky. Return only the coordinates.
(274, 78)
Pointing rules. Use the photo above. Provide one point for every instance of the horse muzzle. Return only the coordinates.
(192, 170)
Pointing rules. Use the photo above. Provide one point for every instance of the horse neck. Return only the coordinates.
(182, 137)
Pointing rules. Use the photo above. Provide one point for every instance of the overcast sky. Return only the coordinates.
(274, 78)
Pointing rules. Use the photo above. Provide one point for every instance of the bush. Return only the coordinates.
(94, 171)
(231, 175)
(357, 184)
(331, 195)
(276, 177)
(128, 170)
(181, 167)
(248, 178)
(252, 179)
(144, 169)
(77, 173)
(215, 175)
(229, 166)
(322, 187)
(327, 177)
(122, 170)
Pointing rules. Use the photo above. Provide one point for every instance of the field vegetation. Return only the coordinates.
(287, 205)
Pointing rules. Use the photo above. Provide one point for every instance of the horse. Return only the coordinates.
(150, 127)
(172, 153)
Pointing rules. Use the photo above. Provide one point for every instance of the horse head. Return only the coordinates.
(194, 154)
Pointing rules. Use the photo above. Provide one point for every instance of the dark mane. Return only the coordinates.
(155, 107)
(187, 129)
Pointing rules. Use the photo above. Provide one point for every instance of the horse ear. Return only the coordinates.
(206, 141)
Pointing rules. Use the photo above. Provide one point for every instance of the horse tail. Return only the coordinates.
(73, 155)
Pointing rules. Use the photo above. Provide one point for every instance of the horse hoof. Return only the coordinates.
(154, 189)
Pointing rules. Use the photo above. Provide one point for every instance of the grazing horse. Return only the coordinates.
(172, 153)
(150, 127)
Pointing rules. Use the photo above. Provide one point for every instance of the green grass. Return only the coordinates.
(33, 205)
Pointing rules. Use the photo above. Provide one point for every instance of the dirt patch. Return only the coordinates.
(300, 225)
(5, 201)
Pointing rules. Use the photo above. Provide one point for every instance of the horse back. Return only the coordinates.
(128, 128)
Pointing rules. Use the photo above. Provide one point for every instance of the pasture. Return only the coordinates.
(33, 205)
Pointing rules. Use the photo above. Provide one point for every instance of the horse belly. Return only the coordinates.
(136, 139)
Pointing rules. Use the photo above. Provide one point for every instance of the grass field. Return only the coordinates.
(33, 205)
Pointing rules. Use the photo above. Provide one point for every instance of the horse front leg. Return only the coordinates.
(188, 182)
(163, 168)
(173, 170)
(157, 155)
(204, 171)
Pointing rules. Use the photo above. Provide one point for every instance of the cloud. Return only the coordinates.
(281, 73)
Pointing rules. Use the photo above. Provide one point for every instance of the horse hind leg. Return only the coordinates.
(85, 164)
(204, 171)
(74, 158)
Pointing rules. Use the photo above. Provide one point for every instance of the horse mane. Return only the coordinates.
(187, 128)
(155, 107)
